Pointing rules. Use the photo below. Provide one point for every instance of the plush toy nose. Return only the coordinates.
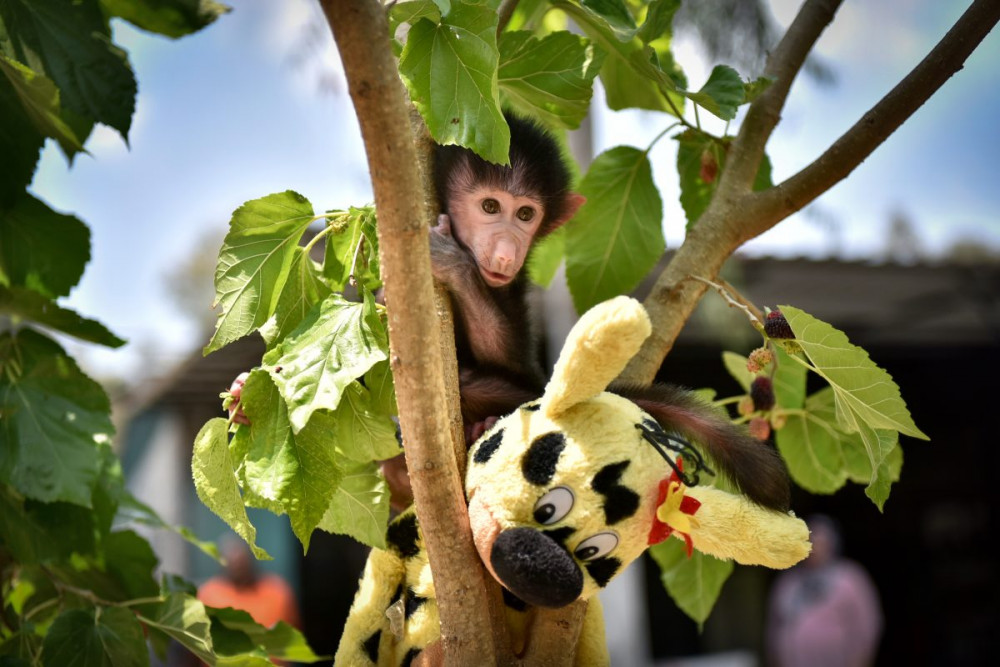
(535, 568)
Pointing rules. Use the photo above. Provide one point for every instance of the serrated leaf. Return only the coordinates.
(360, 507)
(302, 291)
(282, 642)
(546, 256)
(183, 618)
(696, 148)
(789, 381)
(879, 443)
(753, 89)
(412, 11)
(383, 392)
(352, 249)
(858, 464)
(694, 583)
(363, 432)
(634, 75)
(617, 236)
(811, 444)
(216, 484)
(173, 18)
(37, 532)
(27, 304)
(40, 249)
(736, 365)
(867, 390)
(254, 262)
(722, 93)
(326, 354)
(616, 14)
(109, 636)
(659, 19)
(39, 99)
(551, 78)
(133, 510)
(20, 144)
(71, 44)
(53, 417)
(294, 471)
(450, 70)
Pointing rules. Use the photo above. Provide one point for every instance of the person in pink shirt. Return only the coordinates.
(825, 612)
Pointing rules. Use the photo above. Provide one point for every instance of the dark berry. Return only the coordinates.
(776, 326)
(762, 393)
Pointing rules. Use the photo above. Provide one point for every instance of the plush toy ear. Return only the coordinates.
(596, 350)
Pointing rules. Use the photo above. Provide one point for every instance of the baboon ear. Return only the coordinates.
(572, 204)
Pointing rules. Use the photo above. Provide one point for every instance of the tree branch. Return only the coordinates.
(762, 117)
(851, 149)
(401, 186)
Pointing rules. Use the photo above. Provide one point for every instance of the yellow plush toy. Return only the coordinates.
(564, 493)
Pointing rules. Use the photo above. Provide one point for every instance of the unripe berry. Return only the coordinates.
(759, 428)
(778, 420)
(762, 393)
(759, 359)
(745, 406)
(776, 326)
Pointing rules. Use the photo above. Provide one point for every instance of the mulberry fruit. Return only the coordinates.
(776, 326)
(759, 359)
(759, 428)
(762, 393)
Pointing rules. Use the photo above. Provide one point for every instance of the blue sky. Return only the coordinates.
(227, 115)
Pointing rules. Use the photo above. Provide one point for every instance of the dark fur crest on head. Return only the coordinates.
(537, 168)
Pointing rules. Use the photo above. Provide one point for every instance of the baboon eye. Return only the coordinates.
(553, 506)
(525, 213)
(491, 205)
(596, 546)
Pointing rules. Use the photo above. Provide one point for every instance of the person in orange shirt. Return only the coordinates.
(266, 597)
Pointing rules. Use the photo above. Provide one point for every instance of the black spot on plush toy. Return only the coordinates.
(563, 494)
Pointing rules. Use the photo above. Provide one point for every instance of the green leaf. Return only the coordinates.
(282, 642)
(617, 236)
(862, 387)
(254, 262)
(302, 291)
(20, 144)
(216, 484)
(37, 532)
(360, 507)
(659, 19)
(722, 93)
(412, 11)
(693, 149)
(383, 392)
(296, 472)
(450, 70)
(546, 256)
(71, 44)
(98, 637)
(812, 445)
(552, 78)
(326, 353)
(352, 249)
(879, 443)
(183, 618)
(133, 510)
(753, 89)
(858, 465)
(173, 18)
(616, 14)
(39, 99)
(694, 583)
(53, 418)
(736, 364)
(363, 432)
(789, 381)
(28, 304)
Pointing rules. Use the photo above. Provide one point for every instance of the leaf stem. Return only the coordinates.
(660, 135)
(697, 118)
(320, 234)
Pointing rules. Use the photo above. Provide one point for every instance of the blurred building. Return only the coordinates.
(934, 326)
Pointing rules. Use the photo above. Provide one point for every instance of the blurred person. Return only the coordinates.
(824, 612)
(266, 597)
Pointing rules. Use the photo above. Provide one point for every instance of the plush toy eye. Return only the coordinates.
(491, 205)
(554, 505)
(525, 213)
(596, 546)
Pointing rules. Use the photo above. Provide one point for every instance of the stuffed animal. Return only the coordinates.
(564, 493)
